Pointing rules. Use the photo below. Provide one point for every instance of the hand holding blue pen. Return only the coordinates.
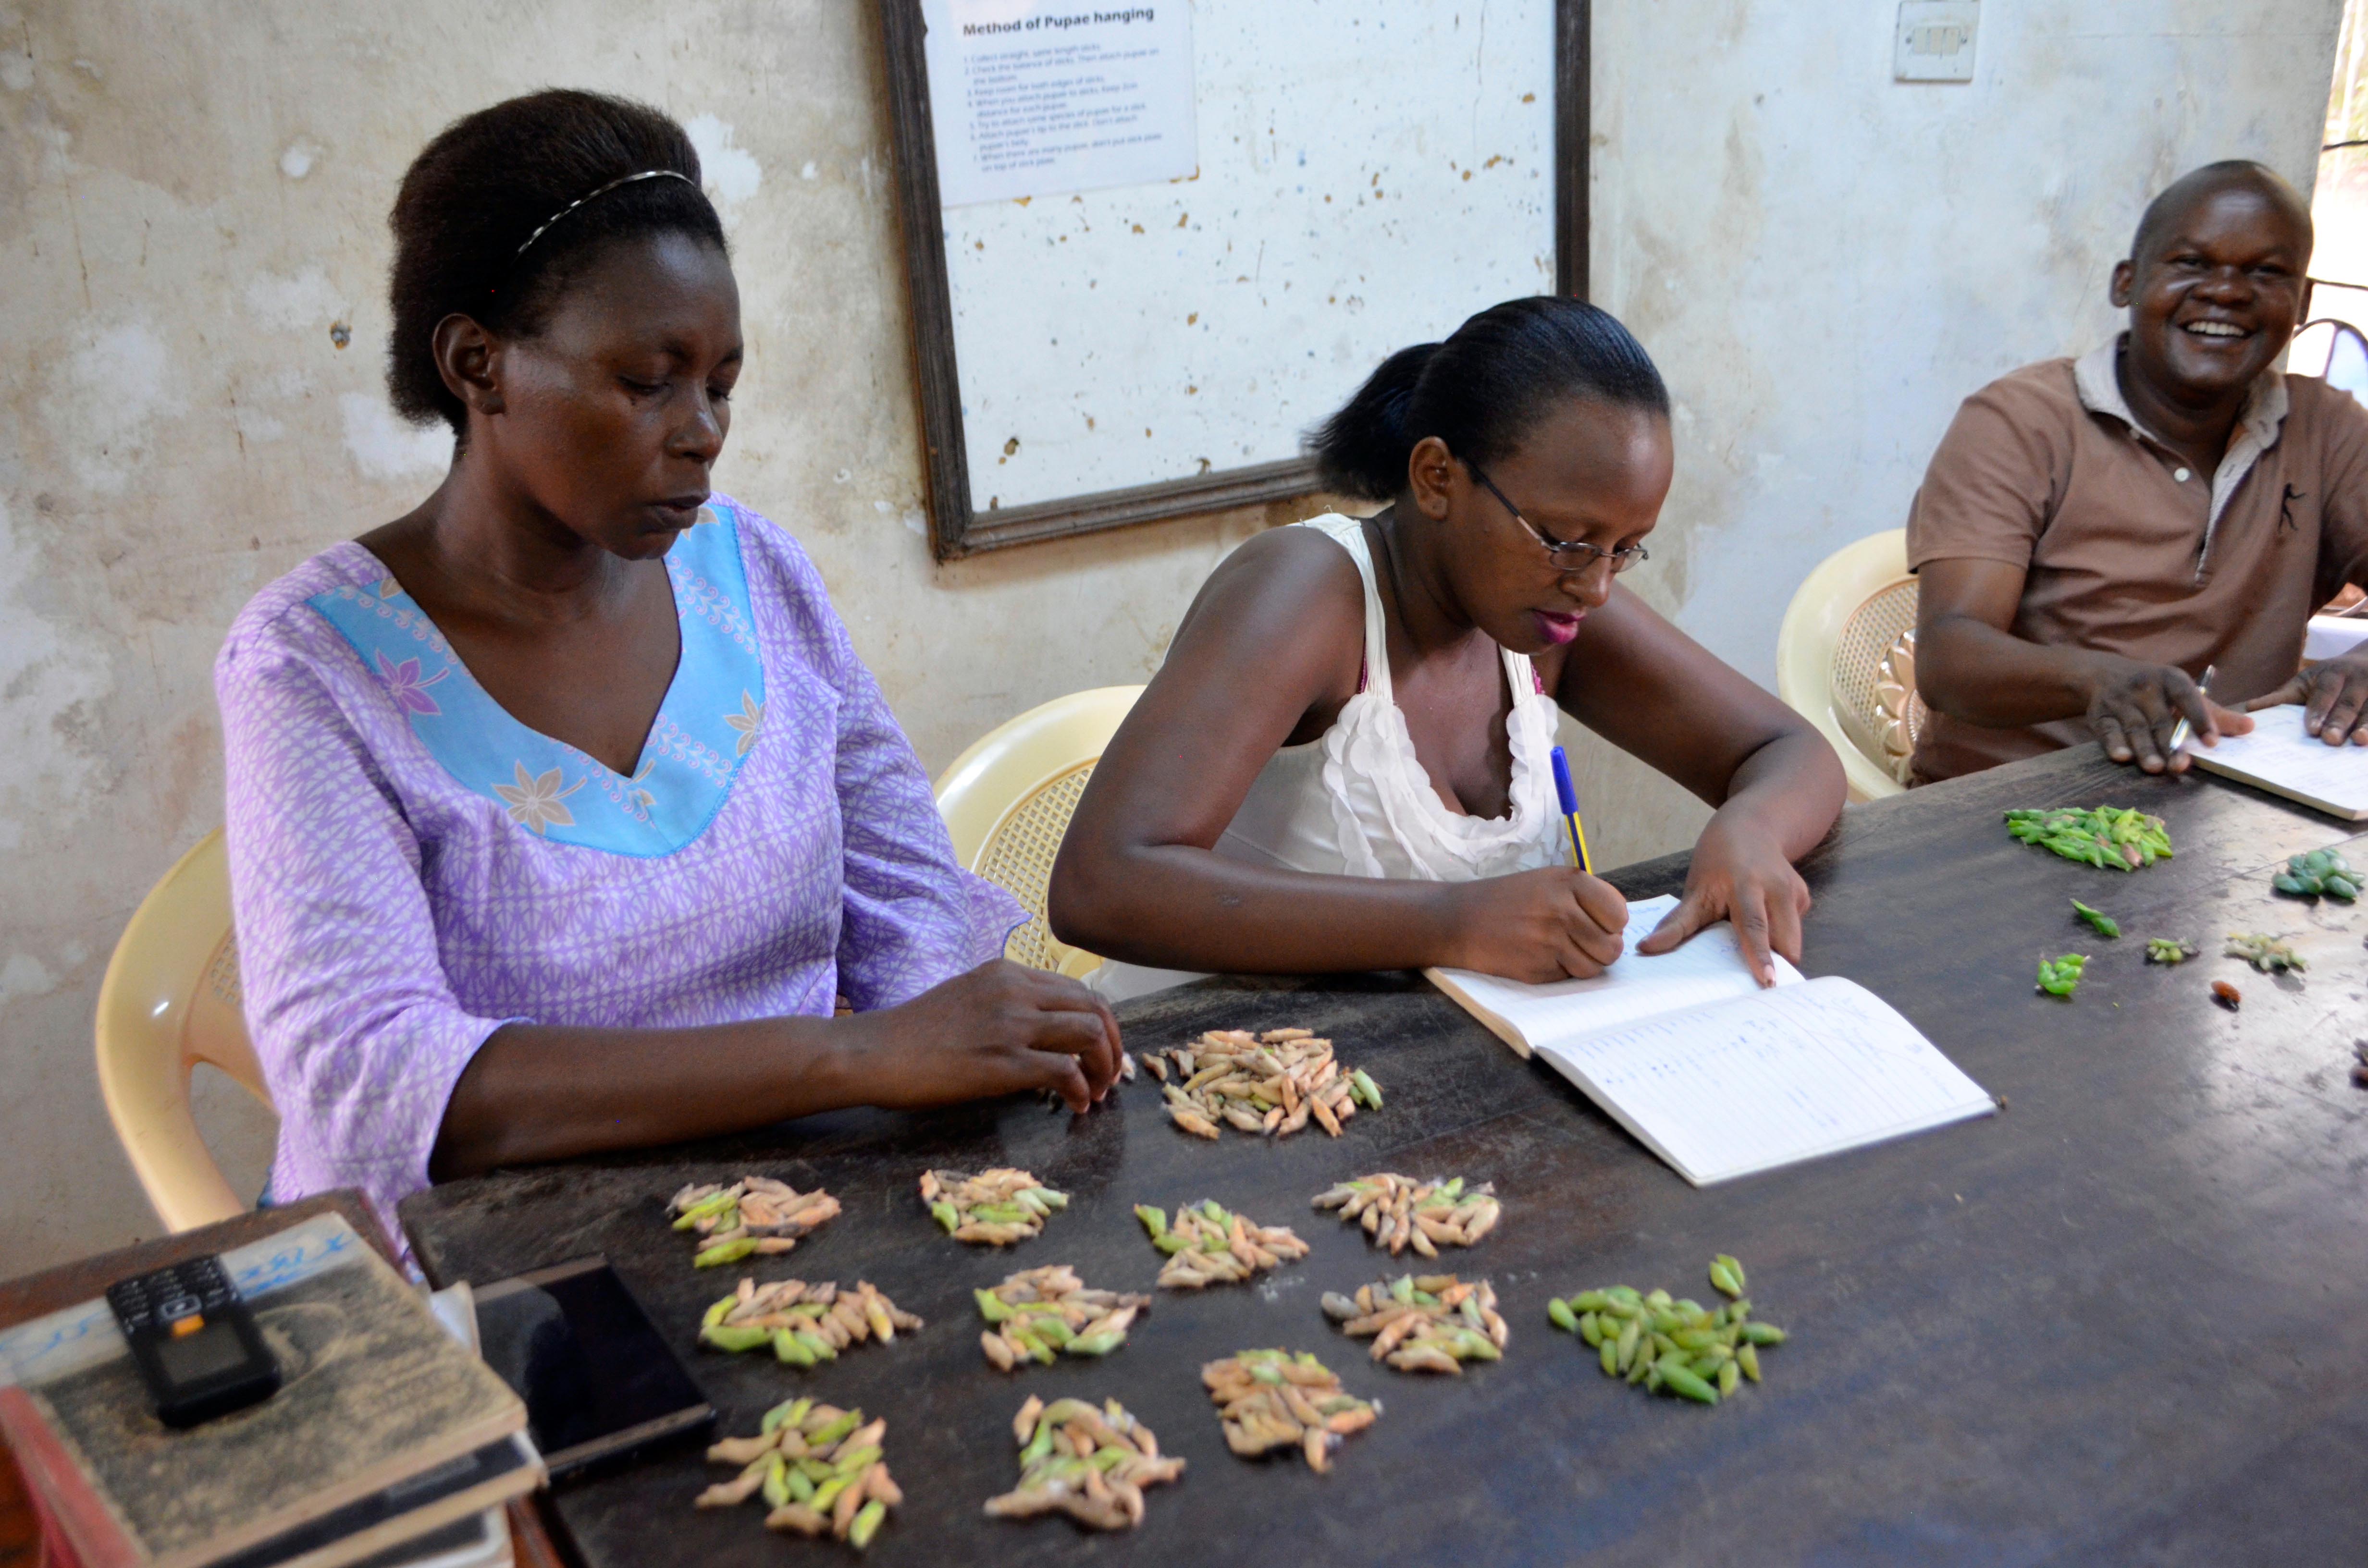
(1568, 799)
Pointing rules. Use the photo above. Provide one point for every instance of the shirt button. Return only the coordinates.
(2181, 475)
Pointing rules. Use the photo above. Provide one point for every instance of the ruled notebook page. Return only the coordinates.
(1763, 1080)
(2280, 756)
(1706, 968)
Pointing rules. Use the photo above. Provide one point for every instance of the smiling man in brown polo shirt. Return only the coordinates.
(2094, 534)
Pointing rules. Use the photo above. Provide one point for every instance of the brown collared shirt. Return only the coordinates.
(2127, 549)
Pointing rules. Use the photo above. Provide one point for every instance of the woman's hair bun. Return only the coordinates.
(1482, 390)
(1367, 439)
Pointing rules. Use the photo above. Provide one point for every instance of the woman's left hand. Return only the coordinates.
(1740, 873)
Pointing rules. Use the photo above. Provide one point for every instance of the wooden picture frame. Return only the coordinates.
(956, 528)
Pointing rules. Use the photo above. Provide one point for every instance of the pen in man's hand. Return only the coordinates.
(2184, 731)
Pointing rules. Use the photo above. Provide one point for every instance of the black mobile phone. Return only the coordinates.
(599, 1379)
(193, 1341)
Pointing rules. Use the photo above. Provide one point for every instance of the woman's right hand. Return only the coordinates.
(1554, 924)
(997, 1029)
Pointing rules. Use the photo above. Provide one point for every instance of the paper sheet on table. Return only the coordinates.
(1768, 1078)
(2280, 757)
(1709, 967)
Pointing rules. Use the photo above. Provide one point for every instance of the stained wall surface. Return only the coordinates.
(192, 202)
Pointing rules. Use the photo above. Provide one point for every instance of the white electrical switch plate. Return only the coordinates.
(1935, 41)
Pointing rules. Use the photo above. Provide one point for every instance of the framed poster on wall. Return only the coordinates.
(1148, 245)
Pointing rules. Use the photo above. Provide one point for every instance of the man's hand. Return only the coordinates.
(2134, 707)
(2334, 695)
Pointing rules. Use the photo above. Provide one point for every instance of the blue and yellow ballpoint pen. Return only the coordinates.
(1568, 799)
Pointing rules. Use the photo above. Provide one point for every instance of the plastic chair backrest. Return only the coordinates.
(2347, 361)
(2346, 354)
(1841, 662)
(170, 1000)
(1006, 803)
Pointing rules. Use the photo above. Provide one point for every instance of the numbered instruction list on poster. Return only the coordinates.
(1033, 97)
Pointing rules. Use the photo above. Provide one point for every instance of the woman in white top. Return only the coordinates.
(1343, 763)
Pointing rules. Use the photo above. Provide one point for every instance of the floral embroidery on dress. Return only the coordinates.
(670, 740)
(697, 742)
(695, 596)
(396, 611)
(410, 692)
(535, 802)
(748, 721)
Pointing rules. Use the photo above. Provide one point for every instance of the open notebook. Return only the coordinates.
(1717, 1075)
(2279, 757)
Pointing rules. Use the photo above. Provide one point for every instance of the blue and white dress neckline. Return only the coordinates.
(707, 724)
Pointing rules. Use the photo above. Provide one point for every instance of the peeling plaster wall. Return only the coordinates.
(1824, 261)
(192, 204)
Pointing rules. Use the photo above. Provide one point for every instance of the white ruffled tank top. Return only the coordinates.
(1355, 801)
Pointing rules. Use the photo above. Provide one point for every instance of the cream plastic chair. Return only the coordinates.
(171, 1000)
(1846, 661)
(1006, 801)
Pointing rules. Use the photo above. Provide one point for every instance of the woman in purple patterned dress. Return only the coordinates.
(560, 809)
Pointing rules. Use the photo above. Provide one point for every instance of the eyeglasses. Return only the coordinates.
(1568, 555)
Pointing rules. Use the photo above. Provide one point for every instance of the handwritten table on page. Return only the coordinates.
(1715, 1074)
(1767, 1079)
(2281, 756)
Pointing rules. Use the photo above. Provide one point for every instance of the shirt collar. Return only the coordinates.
(2096, 376)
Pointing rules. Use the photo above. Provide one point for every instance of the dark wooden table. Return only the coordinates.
(36, 1295)
(2121, 1321)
